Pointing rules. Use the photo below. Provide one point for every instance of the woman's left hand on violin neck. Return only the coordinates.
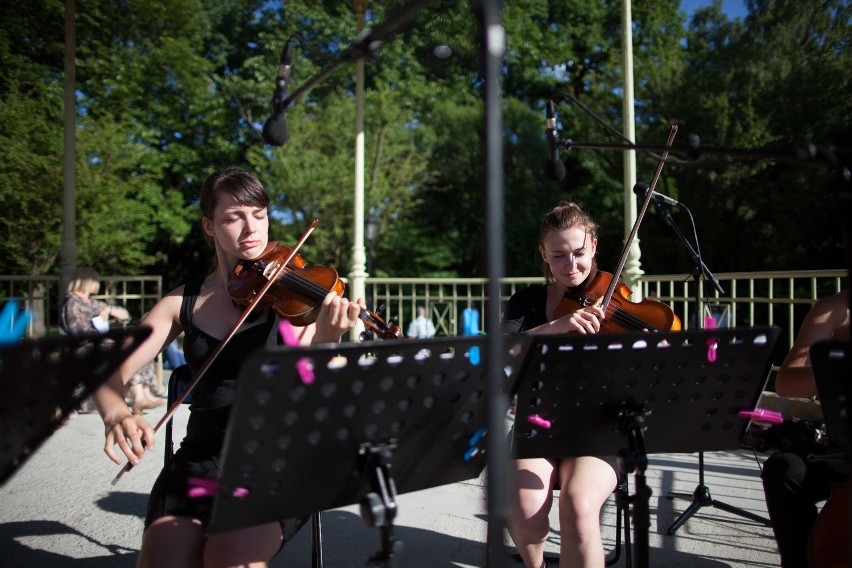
(336, 316)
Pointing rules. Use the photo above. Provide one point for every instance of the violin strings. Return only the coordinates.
(317, 292)
(631, 320)
(627, 319)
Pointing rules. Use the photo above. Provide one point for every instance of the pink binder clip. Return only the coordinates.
(204, 487)
(762, 415)
(712, 347)
(303, 366)
(539, 421)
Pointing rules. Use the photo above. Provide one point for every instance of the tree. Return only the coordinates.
(170, 90)
(748, 85)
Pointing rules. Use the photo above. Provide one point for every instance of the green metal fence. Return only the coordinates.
(748, 298)
(41, 295)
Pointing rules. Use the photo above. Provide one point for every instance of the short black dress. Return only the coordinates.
(212, 397)
(527, 309)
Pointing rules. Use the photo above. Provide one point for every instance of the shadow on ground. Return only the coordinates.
(17, 554)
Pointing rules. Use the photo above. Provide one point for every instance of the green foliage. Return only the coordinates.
(171, 90)
(772, 83)
(31, 136)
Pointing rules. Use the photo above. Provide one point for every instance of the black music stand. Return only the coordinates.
(378, 418)
(628, 394)
(43, 380)
(832, 367)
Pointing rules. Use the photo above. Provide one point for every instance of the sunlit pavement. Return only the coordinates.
(59, 509)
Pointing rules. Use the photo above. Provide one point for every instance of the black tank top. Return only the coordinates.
(213, 395)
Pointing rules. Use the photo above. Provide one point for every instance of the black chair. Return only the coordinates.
(178, 382)
(622, 519)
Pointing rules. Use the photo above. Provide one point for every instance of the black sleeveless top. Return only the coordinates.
(527, 308)
(213, 395)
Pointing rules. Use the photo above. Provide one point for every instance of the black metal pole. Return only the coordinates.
(492, 45)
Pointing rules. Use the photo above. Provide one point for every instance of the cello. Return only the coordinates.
(622, 314)
(828, 544)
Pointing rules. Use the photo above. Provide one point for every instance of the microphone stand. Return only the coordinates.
(700, 269)
(701, 496)
(367, 44)
(810, 153)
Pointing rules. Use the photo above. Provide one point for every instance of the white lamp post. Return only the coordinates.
(358, 274)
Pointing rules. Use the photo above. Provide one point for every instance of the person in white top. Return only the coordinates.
(421, 327)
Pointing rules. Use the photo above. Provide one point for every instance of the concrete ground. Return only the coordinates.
(59, 509)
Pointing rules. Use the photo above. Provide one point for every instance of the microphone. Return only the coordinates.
(641, 189)
(275, 130)
(555, 168)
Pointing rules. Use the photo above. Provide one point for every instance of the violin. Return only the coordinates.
(621, 313)
(298, 291)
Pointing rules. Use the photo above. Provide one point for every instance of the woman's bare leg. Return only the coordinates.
(172, 542)
(253, 547)
(586, 483)
(529, 521)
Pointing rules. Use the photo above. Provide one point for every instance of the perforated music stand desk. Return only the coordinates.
(299, 448)
(585, 386)
(43, 380)
(581, 382)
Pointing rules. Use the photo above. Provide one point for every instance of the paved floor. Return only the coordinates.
(59, 509)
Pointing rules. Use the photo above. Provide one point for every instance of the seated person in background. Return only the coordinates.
(141, 388)
(83, 314)
(792, 484)
(80, 312)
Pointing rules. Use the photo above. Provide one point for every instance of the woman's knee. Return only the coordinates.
(578, 508)
(529, 518)
(172, 541)
(253, 547)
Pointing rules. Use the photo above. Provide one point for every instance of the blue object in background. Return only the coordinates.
(470, 321)
(12, 328)
(173, 357)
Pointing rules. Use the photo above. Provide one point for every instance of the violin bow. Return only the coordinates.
(648, 196)
(222, 344)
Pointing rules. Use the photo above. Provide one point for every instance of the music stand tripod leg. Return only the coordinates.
(379, 508)
(634, 459)
(316, 540)
(701, 498)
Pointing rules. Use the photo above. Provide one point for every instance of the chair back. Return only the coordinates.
(178, 382)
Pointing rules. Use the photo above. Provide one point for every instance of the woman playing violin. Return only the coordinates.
(567, 244)
(234, 218)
